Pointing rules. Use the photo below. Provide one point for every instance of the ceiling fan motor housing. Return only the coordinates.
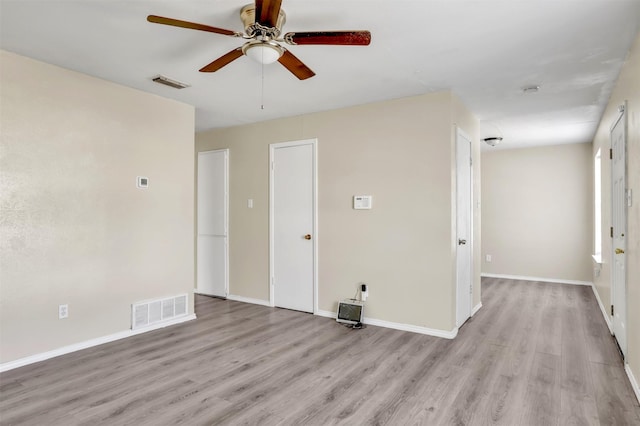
(253, 28)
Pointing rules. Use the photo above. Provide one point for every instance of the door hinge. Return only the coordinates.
(272, 165)
(611, 310)
(611, 231)
(610, 154)
(471, 162)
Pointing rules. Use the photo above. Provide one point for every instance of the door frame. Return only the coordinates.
(622, 120)
(314, 211)
(459, 133)
(226, 218)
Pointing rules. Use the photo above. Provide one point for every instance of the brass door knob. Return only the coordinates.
(619, 251)
(307, 237)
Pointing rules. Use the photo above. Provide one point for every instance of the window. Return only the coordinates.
(597, 214)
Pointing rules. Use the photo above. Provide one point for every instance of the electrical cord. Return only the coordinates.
(358, 326)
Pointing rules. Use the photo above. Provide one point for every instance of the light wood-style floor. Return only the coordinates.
(535, 354)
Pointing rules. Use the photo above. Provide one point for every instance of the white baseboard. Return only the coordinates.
(476, 309)
(399, 326)
(249, 300)
(89, 343)
(208, 295)
(602, 309)
(632, 379)
(327, 314)
(546, 280)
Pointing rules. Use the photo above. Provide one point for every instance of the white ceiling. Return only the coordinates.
(486, 51)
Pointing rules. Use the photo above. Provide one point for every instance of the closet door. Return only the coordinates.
(212, 222)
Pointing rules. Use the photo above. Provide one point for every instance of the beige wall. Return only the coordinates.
(626, 88)
(74, 228)
(398, 151)
(537, 212)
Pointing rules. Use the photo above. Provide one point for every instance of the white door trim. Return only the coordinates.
(272, 148)
(226, 217)
(460, 132)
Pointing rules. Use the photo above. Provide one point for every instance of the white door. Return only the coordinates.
(293, 239)
(463, 240)
(619, 222)
(213, 249)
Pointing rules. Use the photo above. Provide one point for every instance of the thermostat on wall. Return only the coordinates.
(142, 182)
(362, 202)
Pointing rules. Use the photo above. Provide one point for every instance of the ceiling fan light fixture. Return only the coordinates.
(263, 20)
(263, 52)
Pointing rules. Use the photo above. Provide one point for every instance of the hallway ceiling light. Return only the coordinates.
(531, 89)
(493, 141)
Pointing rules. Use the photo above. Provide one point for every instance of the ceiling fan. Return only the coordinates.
(263, 23)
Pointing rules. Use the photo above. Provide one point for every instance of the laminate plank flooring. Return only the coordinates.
(535, 354)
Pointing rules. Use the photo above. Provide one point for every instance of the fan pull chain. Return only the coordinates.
(262, 85)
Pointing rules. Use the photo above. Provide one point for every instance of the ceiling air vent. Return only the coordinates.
(170, 82)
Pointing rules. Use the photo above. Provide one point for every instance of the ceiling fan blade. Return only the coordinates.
(223, 60)
(346, 38)
(295, 65)
(267, 12)
(191, 25)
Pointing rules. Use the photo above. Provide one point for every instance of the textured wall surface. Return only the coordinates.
(537, 212)
(400, 152)
(74, 229)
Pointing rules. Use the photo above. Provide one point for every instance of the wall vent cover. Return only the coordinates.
(152, 312)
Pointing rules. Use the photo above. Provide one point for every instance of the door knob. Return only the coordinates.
(307, 237)
(462, 242)
(619, 251)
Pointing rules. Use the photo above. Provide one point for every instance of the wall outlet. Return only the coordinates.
(63, 311)
(488, 258)
(142, 182)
